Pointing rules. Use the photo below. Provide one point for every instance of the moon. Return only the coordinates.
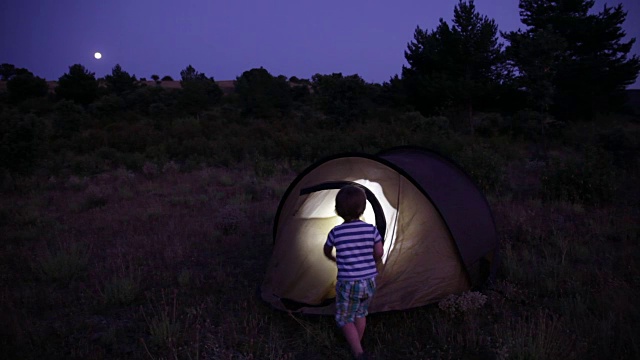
(97, 55)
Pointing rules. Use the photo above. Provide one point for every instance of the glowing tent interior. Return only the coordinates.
(439, 231)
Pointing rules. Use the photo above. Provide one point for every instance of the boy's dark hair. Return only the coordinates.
(350, 202)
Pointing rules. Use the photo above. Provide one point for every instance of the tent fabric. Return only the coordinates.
(438, 228)
(461, 204)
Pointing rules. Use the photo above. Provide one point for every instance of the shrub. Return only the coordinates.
(107, 106)
(86, 165)
(263, 167)
(133, 162)
(486, 124)
(150, 170)
(230, 219)
(484, 165)
(417, 122)
(458, 305)
(64, 264)
(589, 179)
(121, 289)
(624, 144)
(525, 124)
(76, 183)
(23, 140)
(170, 168)
(95, 197)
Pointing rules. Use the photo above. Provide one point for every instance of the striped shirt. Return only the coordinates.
(354, 249)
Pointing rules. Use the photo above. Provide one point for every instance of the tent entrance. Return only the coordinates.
(315, 216)
(380, 220)
(317, 204)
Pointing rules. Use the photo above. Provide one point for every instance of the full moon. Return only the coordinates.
(97, 55)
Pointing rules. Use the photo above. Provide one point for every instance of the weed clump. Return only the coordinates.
(457, 305)
(64, 264)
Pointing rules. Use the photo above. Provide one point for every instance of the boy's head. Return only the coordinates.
(350, 202)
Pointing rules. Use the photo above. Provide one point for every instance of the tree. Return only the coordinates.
(343, 98)
(536, 55)
(156, 78)
(23, 85)
(453, 66)
(587, 62)
(261, 94)
(7, 71)
(78, 85)
(120, 81)
(392, 94)
(167, 78)
(198, 91)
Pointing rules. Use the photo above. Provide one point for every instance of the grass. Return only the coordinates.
(62, 264)
(167, 266)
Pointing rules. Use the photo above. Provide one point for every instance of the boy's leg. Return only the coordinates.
(347, 303)
(361, 323)
(369, 288)
(353, 337)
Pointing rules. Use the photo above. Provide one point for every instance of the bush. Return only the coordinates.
(261, 94)
(484, 165)
(68, 118)
(589, 179)
(525, 124)
(64, 264)
(23, 141)
(133, 162)
(458, 305)
(122, 289)
(487, 124)
(87, 165)
(94, 197)
(624, 144)
(150, 170)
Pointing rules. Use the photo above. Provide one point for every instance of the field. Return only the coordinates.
(166, 262)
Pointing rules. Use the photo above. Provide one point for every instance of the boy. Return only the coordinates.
(358, 247)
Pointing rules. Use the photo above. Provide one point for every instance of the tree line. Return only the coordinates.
(568, 62)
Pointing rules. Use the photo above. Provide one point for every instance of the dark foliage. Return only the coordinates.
(571, 60)
(120, 81)
(7, 71)
(263, 95)
(343, 98)
(453, 66)
(198, 91)
(23, 141)
(23, 85)
(78, 85)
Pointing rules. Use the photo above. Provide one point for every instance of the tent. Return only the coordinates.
(439, 233)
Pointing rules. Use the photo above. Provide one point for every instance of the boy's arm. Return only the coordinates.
(378, 250)
(328, 252)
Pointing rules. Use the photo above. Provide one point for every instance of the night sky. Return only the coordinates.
(224, 38)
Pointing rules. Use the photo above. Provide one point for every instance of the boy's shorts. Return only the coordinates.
(353, 299)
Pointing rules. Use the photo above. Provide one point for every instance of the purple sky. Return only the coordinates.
(225, 38)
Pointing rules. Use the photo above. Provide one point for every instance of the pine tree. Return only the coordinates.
(78, 85)
(587, 58)
(453, 66)
(198, 91)
(120, 81)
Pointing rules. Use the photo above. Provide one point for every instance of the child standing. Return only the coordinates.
(358, 247)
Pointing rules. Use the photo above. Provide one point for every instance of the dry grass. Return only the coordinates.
(130, 266)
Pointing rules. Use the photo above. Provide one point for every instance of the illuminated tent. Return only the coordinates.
(439, 232)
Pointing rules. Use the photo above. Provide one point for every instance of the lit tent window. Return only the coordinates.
(320, 204)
